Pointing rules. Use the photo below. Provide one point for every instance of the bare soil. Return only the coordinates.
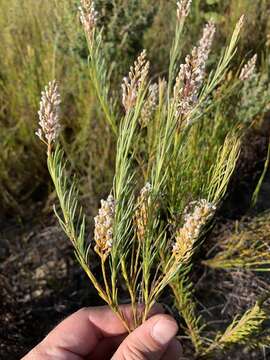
(40, 284)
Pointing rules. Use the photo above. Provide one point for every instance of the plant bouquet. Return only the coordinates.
(172, 168)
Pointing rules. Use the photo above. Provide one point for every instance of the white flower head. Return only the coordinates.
(49, 113)
(132, 84)
(183, 8)
(88, 17)
(103, 234)
(192, 73)
(194, 221)
(248, 69)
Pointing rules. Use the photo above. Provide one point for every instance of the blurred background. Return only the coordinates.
(40, 282)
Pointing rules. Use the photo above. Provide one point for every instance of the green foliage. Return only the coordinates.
(36, 44)
(245, 247)
(183, 294)
(73, 221)
(241, 329)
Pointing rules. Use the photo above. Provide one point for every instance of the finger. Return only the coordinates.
(149, 341)
(174, 351)
(107, 322)
(107, 347)
(80, 333)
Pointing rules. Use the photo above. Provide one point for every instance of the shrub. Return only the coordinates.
(175, 155)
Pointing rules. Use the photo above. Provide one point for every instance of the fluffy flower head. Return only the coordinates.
(49, 114)
(183, 8)
(189, 233)
(132, 84)
(249, 69)
(88, 17)
(192, 73)
(104, 227)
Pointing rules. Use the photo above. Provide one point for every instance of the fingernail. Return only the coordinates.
(164, 330)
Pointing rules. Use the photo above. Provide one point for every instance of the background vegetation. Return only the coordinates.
(44, 40)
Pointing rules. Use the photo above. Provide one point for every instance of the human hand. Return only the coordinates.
(98, 334)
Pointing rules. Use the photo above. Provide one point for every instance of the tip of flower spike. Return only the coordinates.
(88, 17)
(241, 21)
(49, 114)
(192, 73)
(183, 8)
(133, 84)
(248, 69)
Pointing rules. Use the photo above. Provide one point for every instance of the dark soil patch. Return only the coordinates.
(40, 284)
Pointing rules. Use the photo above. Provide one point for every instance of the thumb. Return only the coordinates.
(149, 341)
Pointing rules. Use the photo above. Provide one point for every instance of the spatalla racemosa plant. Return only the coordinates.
(170, 177)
